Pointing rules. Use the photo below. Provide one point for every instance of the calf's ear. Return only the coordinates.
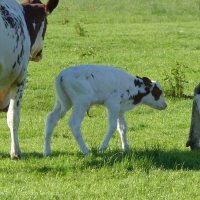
(147, 81)
(51, 5)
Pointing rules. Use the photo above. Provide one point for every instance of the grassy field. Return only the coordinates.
(145, 38)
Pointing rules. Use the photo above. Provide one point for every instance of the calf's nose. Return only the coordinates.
(164, 106)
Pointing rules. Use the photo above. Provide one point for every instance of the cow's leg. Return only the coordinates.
(13, 118)
(112, 126)
(122, 128)
(76, 118)
(51, 122)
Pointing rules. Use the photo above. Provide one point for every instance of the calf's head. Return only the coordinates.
(35, 13)
(150, 93)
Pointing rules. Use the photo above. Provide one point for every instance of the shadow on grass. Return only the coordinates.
(146, 159)
(38, 155)
(172, 159)
(142, 159)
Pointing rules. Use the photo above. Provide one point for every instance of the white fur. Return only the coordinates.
(80, 87)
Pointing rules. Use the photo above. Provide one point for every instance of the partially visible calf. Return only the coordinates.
(80, 87)
(22, 30)
(194, 135)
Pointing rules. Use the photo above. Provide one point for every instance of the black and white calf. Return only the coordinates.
(194, 135)
(22, 30)
(80, 87)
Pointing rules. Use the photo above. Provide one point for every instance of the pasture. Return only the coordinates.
(142, 37)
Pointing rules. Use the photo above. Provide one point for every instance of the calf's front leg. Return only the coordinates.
(112, 126)
(122, 128)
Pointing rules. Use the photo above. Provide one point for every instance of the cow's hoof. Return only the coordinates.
(15, 157)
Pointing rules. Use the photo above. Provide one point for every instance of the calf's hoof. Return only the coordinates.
(47, 153)
(86, 152)
(125, 148)
(102, 149)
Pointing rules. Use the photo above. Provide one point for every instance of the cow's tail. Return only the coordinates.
(62, 98)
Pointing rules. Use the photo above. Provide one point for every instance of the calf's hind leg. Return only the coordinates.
(77, 116)
(51, 121)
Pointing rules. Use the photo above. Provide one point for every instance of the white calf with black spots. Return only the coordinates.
(17, 38)
(82, 86)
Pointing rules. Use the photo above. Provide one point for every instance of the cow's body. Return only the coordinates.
(14, 42)
(82, 86)
(16, 48)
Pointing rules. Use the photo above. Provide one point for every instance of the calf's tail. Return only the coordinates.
(61, 96)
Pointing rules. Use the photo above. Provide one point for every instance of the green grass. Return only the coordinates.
(145, 38)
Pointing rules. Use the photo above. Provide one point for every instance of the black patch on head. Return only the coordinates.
(147, 81)
(61, 79)
(92, 76)
(138, 97)
(156, 92)
(138, 82)
(34, 13)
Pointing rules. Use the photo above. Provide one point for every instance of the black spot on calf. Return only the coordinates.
(14, 65)
(156, 92)
(138, 82)
(61, 79)
(92, 76)
(137, 98)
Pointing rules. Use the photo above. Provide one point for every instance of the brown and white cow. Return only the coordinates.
(22, 30)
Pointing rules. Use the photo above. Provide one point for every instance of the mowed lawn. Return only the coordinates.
(142, 37)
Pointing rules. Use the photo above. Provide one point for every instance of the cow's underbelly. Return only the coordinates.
(4, 100)
(12, 78)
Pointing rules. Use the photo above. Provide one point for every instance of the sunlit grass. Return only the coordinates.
(144, 38)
